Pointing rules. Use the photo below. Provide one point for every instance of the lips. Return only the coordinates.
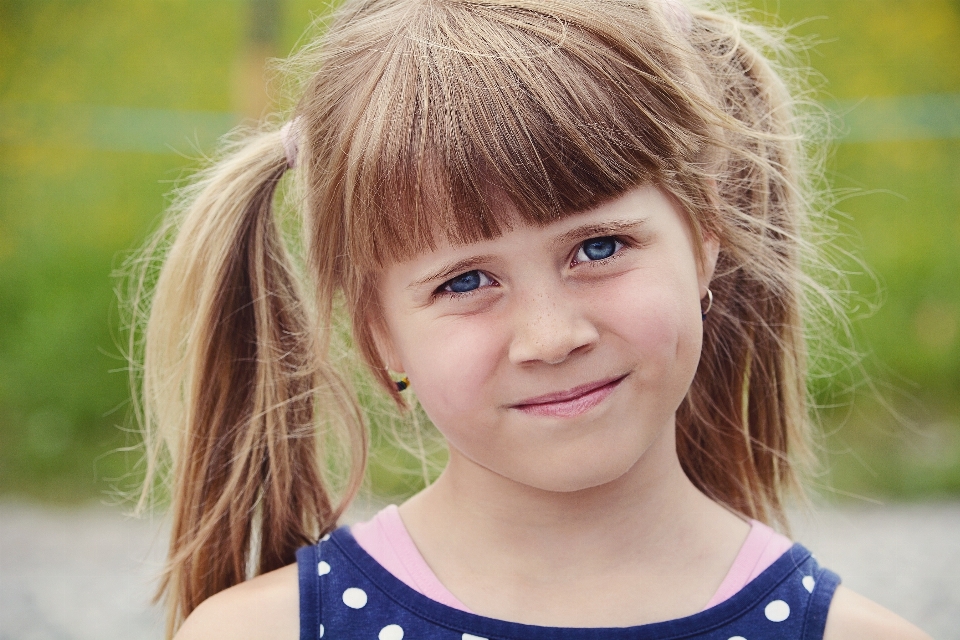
(573, 402)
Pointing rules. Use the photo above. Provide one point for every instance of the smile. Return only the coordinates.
(574, 402)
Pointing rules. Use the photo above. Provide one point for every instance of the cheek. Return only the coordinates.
(451, 366)
(662, 327)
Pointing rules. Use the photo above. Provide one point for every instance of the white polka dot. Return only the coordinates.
(325, 538)
(737, 638)
(467, 636)
(391, 632)
(321, 631)
(808, 583)
(323, 568)
(355, 598)
(777, 611)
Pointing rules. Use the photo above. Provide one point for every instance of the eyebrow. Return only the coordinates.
(448, 271)
(591, 230)
(598, 229)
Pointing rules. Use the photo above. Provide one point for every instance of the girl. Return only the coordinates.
(575, 229)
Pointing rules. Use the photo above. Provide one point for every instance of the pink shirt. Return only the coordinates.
(385, 538)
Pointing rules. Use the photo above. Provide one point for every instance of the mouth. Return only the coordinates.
(570, 403)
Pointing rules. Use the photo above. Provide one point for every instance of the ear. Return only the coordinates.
(710, 253)
(385, 346)
(710, 248)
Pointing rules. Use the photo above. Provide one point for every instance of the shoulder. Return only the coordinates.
(265, 607)
(853, 617)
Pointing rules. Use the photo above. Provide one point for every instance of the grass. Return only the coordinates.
(76, 196)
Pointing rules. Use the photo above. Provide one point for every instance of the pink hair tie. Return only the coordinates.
(288, 137)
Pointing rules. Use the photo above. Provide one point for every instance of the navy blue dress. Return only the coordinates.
(346, 595)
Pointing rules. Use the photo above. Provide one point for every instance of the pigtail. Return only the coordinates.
(744, 432)
(236, 382)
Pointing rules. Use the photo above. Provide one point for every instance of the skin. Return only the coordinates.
(571, 513)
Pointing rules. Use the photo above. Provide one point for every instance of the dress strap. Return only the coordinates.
(309, 571)
(823, 589)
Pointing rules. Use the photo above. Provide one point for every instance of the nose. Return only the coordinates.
(549, 329)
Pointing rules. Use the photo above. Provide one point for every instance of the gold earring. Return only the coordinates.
(403, 383)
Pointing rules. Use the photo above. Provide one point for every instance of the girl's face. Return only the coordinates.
(554, 356)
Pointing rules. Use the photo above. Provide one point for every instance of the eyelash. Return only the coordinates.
(462, 294)
(623, 242)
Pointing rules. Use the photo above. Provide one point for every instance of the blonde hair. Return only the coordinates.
(413, 113)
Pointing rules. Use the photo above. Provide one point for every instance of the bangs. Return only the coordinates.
(463, 106)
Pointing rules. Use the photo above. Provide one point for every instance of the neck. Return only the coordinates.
(644, 514)
(646, 546)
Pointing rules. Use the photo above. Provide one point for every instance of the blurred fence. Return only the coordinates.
(144, 130)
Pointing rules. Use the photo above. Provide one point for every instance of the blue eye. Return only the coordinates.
(598, 249)
(467, 282)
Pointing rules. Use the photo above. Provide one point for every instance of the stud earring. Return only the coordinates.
(704, 312)
(403, 383)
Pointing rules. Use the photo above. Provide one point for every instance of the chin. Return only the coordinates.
(579, 474)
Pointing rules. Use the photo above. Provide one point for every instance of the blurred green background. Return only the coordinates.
(105, 103)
